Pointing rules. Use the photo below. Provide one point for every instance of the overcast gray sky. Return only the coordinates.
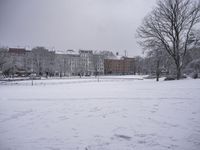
(73, 24)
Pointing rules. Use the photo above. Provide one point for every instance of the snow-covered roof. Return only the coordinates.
(115, 57)
(72, 52)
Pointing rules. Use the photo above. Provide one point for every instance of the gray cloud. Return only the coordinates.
(73, 24)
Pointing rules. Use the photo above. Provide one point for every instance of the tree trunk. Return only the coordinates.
(178, 72)
(178, 67)
(157, 70)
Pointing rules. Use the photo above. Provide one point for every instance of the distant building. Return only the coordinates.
(19, 51)
(60, 67)
(43, 62)
(86, 62)
(119, 66)
(18, 60)
(67, 63)
(98, 62)
(73, 63)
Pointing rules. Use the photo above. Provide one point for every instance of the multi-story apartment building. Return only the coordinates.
(86, 62)
(67, 63)
(18, 60)
(43, 62)
(98, 62)
(74, 64)
(121, 66)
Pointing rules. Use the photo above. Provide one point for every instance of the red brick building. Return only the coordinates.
(17, 50)
(120, 66)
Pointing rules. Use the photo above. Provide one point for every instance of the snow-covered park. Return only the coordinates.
(114, 113)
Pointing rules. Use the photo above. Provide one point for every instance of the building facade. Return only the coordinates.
(18, 61)
(43, 62)
(122, 66)
(86, 62)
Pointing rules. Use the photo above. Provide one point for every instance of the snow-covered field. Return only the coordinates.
(113, 114)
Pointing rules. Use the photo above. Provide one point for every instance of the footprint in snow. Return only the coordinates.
(121, 136)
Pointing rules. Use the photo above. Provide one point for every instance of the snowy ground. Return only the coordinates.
(113, 114)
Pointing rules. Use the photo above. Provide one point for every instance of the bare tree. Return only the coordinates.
(139, 62)
(43, 60)
(156, 56)
(3, 52)
(170, 25)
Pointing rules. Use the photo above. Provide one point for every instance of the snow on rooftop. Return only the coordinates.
(73, 52)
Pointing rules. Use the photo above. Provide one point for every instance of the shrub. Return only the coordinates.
(169, 78)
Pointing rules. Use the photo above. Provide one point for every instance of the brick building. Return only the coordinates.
(18, 60)
(121, 66)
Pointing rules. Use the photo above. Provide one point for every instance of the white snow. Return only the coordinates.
(113, 114)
